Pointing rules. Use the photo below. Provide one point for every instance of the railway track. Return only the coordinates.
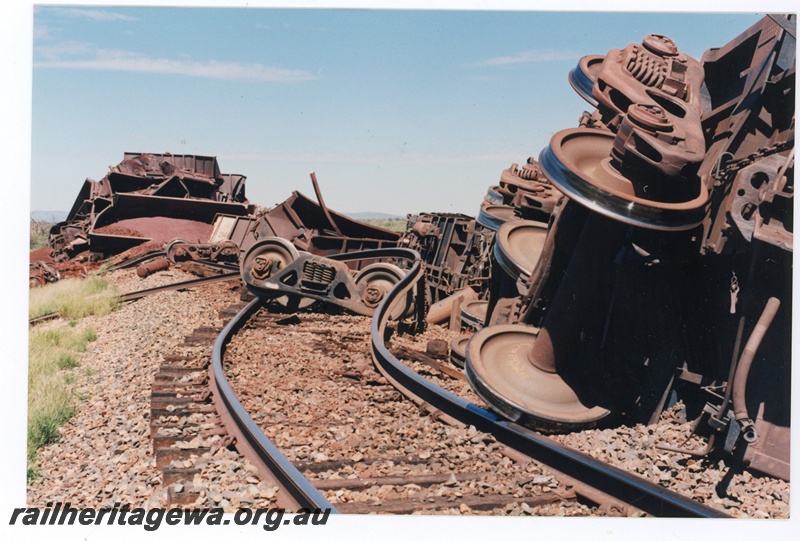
(487, 465)
(176, 286)
(346, 439)
(343, 427)
(429, 456)
(590, 475)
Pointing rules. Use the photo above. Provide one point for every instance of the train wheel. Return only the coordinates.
(500, 370)
(578, 162)
(375, 281)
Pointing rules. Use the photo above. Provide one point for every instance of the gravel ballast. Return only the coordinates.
(105, 454)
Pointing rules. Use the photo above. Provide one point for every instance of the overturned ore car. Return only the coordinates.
(183, 192)
(168, 209)
(646, 256)
(300, 252)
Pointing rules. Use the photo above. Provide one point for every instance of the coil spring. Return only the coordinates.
(316, 272)
(647, 69)
(528, 173)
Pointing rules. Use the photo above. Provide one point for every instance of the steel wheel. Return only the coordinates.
(473, 313)
(500, 371)
(584, 75)
(262, 260)
(175, 252)
(578, 162)
(493, 216)
(458, 349)
(518, 247)
(375, 281)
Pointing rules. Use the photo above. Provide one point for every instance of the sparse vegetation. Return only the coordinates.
(51, 401)
(54, 352)
(66, 361)
(393, 224)
(39, 234)
(73, 298)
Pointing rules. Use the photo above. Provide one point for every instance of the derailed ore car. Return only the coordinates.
(143, 202)
(663, 272)
(300, 252)
(298, 224)
(186, 192)
(169, 209)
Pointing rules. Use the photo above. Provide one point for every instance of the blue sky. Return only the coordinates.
(395, 111)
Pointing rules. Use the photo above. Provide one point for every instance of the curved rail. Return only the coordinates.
(644, 495)
(250, 439)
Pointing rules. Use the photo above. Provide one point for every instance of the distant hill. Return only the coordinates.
(374, 216)
(60, 216)
(49, 215)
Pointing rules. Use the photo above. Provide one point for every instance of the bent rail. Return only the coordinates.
(126, 264)
(250, 439)
(649, 497)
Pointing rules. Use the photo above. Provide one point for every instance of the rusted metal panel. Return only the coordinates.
(771, 452)
(455, 251)
(305, 224)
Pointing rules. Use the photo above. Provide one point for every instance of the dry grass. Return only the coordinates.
(52, 353)
(73, 298)
(393, 224)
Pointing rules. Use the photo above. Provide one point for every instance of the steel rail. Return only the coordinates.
(162, 253)
(251, 441)
(210, 264)
(135, 261)
(640, 493)
(43, 318)
(136, 295)
(376, 253)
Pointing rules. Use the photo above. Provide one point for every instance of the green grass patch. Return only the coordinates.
(73, 298)
(51, 400)
(66, 361)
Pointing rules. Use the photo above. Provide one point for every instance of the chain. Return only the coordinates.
(741, 163)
